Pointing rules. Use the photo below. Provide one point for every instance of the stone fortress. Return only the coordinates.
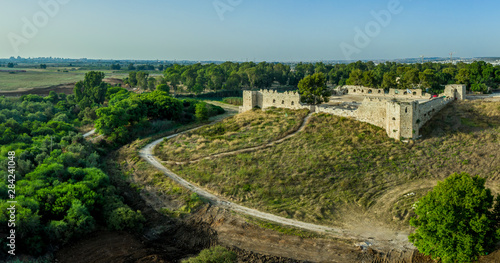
(400, 112)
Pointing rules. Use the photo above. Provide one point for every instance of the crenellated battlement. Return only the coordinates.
(269, 92)
(400, 112)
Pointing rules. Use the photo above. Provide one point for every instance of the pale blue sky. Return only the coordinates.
(271, 30)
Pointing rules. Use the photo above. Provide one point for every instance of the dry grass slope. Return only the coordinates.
(245, 130)
(338, 164)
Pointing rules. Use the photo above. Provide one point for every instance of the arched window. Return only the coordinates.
(282, 102)
(379, 91)
(406, 110)
(369, 91)
(293, 103)
(414, 93)
(393, 118)
(274, 101)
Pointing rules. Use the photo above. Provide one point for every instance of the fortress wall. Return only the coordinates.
(409, 115)
(373, 111)
(336, 111)
(393, 93)
(428, 109)
(249, 101)
(393, 120)
(288, 99)
(362, 90)
(270, 98)
(400, 118)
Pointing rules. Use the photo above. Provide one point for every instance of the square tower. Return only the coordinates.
(409, 125)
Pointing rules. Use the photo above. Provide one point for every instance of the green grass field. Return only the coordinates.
(38, 78)
(337, 164)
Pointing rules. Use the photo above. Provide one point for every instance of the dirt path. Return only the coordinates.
(250, 149)
(90, 133)
(390, 240)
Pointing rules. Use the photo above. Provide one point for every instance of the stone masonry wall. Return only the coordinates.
(400, 118)
(393, 93)
(428, 109)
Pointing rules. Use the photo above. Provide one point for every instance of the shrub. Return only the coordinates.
(216, 254)
(201, 111)
(233, 100)
(125, 218)
(455, 222)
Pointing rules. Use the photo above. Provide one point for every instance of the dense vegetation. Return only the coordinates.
(61, 192)
(245, 130)
(337, 163)
(197, 78)
(456, 222)
(129, 113)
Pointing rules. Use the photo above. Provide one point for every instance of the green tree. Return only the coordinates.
(201, 112)
(91, 90)
(410, 78)
(142, 79)
(151, 83)
(463, 76)
(428, 78)
(389, 81)
(313, 89)
(355, 77)
(163, 87)
(43, 66)
(454, 221)
(369, 79)
(216, 254)
(132, 78)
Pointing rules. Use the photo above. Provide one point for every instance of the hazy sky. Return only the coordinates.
(271, 30)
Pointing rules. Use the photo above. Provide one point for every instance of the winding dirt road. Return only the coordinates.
(385, 239)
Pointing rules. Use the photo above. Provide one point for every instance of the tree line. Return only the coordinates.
(197, 78)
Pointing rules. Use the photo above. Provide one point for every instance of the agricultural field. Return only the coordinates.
(338, 169)
(245, 130)
(42, 78)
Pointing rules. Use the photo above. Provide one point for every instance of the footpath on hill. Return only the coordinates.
(376, 238)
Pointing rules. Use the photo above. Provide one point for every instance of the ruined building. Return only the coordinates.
(400, 112)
